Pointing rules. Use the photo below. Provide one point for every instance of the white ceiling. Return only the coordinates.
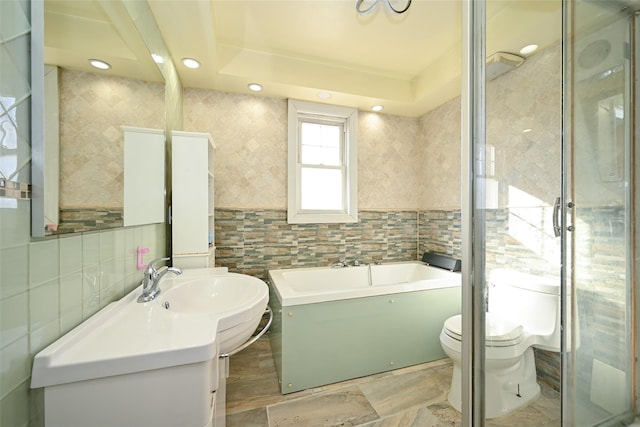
(409, 63)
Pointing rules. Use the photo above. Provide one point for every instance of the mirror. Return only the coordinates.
(85, 110)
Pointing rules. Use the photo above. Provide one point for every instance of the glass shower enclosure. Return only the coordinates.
(601, 58)
(551, 192)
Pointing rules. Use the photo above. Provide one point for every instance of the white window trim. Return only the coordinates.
(294, 214)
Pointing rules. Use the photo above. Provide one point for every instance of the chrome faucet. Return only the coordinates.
(339, 264)
(152, 277)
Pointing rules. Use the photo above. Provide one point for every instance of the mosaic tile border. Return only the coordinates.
(88, 219)
(255, 241)
(15, 190)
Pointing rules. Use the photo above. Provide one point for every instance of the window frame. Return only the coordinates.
(319, 113)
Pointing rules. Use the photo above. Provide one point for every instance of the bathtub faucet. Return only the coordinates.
(340, 264)
(151, 279)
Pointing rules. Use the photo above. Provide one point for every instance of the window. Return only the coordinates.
(323, 163)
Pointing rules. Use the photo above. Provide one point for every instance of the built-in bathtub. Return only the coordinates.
(334, 324)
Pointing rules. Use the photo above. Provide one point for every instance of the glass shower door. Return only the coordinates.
(598, 368)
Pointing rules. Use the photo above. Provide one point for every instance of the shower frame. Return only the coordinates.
(473, 221)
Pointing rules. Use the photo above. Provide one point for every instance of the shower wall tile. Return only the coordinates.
(70, 254)
(528, 162)
(44, 304)
(439, 159)
(14, 321)
(70, 300)
(439, 231)
(14, 270)
(15, 365)
(90, 249)
(14, 407)
(43, 262)
(15, 361)
(14, 217)
(42, 337)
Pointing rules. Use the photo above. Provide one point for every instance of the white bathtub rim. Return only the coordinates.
(293, 298)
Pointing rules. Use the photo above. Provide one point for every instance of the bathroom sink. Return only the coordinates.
(238, 302)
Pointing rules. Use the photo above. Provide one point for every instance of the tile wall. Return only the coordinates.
(47, 286)
(250, 134)
(93, 107)
(409, 172)
(254, 241)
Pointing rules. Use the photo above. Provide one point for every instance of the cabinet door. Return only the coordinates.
(190, 198)
(143, 176)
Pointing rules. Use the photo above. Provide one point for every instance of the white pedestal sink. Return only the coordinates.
(236, 300)
(155, 363)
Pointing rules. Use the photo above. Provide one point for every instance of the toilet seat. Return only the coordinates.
(500, 332)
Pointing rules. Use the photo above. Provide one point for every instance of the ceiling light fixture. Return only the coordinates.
(377, 108)
(372, 4)
(324, 95)
(190, 63)
(254, 87)
(530, 48)
(99, 64)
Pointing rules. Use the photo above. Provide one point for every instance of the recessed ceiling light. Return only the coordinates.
(530, 48)
(190, 63)
(324, 95)
(255, 87)
(527, 130)
(99, 64)
(377, 108)
(157, 58)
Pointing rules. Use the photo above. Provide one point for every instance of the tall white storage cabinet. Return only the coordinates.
(192, 200)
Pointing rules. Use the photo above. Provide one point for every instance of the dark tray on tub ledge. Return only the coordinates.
(442, 261)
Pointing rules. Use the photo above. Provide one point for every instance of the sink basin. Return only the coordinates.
(238, 302)
(215, 295)
(170, 351)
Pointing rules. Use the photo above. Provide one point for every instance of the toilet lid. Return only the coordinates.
(500, 332)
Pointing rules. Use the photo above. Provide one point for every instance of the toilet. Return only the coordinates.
(523, 312)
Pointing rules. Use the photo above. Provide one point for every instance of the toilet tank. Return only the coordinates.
(532, 301)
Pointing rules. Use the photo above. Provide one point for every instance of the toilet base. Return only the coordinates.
(507, 388)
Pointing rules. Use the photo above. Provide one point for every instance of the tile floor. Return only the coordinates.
(414, 396)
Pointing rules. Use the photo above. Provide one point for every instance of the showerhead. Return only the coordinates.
(501, 62)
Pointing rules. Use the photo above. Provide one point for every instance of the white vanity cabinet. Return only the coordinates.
(182, 395)
(192, 199)
(133, 365)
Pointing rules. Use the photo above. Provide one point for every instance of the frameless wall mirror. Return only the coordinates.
(84, 168)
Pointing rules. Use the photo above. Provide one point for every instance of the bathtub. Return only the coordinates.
(334, 324)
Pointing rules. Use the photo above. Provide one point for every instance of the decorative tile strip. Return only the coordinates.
(14, 190)
(89, 219)
(255, 241)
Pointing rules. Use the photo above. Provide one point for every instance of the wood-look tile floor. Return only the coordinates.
(415, 396)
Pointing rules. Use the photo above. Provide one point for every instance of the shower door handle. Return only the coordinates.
(557, 230)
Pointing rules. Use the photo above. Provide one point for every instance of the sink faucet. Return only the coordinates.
(152, 277)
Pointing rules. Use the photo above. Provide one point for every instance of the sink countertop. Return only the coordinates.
(127, 336)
